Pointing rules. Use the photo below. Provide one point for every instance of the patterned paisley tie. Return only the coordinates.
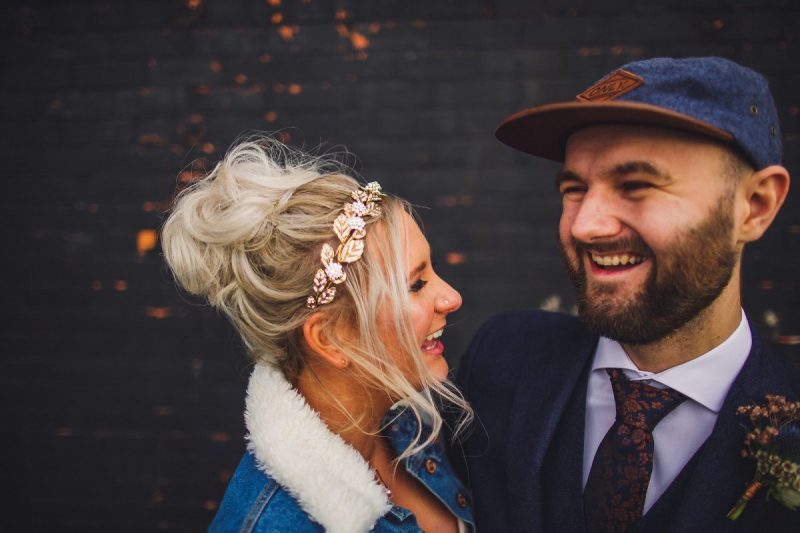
(614, 496)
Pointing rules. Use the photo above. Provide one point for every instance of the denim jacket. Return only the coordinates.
(298, 476)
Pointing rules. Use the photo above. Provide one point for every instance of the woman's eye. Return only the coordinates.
(418, 285)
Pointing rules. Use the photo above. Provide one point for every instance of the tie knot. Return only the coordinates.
(641, 405)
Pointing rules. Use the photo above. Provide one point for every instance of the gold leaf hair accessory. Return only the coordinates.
(349, 227)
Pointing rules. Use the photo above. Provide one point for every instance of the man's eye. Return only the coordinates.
(630, 186)
(572, 189)
(418, 285)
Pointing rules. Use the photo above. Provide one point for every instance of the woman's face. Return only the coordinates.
(432, 299)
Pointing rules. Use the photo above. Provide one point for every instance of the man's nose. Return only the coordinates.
(597, 218)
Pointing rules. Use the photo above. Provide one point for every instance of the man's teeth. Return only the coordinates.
(615, 260)
(434, 335)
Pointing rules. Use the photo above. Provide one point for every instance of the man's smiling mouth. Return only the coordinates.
(627, 259)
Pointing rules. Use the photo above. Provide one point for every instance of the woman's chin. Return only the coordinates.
(438, 366)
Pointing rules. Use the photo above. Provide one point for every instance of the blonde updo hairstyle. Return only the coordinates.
(247, 237)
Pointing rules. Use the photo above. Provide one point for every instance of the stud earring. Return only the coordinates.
(343, 362)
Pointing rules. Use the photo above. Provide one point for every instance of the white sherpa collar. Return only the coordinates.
(329, 479)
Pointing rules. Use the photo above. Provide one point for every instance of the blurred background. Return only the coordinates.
(121, 399)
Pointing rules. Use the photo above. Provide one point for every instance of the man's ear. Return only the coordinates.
(319, 342)
(764, 193)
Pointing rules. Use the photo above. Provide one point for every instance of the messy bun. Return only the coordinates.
(244, 238)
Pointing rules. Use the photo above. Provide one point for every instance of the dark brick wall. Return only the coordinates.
(121, 400)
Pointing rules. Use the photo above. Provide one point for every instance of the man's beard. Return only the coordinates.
(683, 281)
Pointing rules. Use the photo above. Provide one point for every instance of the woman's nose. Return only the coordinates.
(448, 301)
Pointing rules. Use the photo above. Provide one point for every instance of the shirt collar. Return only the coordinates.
(705, 379)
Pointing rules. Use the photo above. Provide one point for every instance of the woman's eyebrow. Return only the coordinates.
(419, 268)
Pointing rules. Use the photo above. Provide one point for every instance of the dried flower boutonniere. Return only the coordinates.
(774, 442)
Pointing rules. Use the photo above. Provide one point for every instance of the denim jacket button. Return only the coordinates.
(430, 466)
(461, 500)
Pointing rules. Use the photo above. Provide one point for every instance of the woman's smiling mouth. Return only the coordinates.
(433, 344)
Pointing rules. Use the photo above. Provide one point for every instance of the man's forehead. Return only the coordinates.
(634, 134)
(612, 144)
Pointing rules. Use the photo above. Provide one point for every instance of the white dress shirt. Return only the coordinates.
(705, 381)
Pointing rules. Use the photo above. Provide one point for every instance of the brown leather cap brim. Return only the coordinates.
(543, 130)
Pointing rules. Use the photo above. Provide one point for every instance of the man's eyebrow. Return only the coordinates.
(637, 167)
(566, 175)
(617, 171)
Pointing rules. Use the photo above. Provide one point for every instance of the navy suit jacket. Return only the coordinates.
(526, 375)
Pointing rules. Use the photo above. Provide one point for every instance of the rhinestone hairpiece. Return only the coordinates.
(350, 228)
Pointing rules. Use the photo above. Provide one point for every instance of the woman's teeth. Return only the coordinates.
(432, 345)
(434, 335)
(616, 260)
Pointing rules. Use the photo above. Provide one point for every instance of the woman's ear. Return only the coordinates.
(318, 341)
(764, 192)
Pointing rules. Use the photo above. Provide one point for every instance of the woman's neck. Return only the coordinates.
(332, 393)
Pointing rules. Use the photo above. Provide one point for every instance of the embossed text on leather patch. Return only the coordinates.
(610, 87)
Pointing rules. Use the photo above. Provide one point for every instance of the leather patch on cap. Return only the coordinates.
(610, 87)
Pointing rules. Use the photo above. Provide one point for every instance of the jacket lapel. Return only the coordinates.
(721, 475)
(536, 414)
(562, 469)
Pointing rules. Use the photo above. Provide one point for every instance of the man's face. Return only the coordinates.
(646, 228)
